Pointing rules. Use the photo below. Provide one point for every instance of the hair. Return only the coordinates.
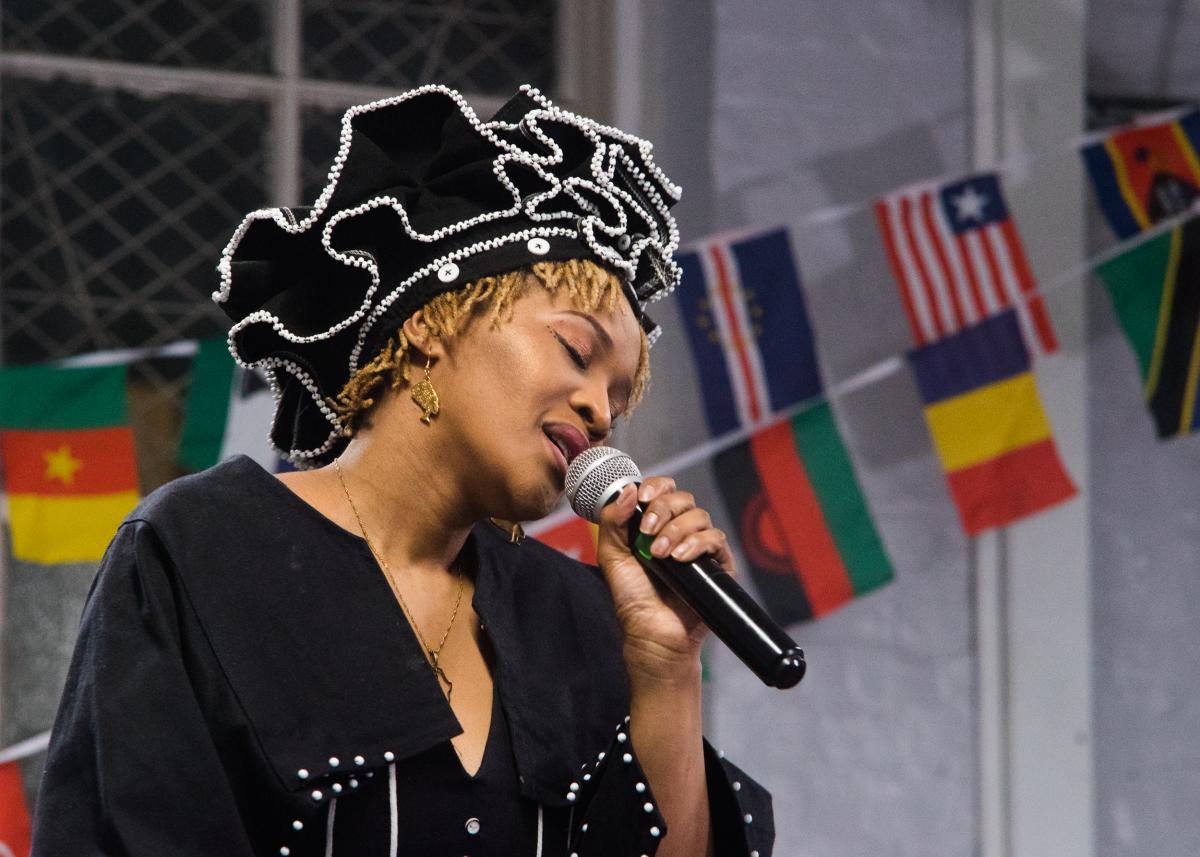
(590, 287)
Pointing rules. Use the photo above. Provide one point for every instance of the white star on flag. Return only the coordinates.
(970, 204)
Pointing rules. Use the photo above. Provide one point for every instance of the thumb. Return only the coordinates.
(615, 516)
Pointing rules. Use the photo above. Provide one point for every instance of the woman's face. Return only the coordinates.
(518, 401)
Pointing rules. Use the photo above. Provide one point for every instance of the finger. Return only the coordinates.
(616, 514)
(663, 508)
(675, 530)
(653, 486)
(711, 542)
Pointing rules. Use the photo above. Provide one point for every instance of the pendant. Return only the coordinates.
(441, 674)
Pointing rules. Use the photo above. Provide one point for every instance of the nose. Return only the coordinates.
(591, 403)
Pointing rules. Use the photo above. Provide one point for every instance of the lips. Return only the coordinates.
(567, 439)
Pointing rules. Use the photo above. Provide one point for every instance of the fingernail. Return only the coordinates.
(645, 493)
(660, 546)
(681, 549)
(648, 523)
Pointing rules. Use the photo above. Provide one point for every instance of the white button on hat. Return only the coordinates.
(472, 826)
(448, 273)
(538, 246)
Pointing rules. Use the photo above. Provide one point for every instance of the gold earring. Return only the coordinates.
(425, 396)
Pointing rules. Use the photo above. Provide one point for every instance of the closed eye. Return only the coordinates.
(571, 350)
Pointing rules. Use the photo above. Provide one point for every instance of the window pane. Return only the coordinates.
(115, 209)
(225, 34)
(481, 46)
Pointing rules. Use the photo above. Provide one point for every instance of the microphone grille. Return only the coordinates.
(595, 476)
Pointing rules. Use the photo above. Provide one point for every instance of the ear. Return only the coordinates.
(420, 338)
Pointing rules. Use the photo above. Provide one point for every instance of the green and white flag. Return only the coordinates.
(228, 412)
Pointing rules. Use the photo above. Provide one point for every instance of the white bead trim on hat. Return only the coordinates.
(607, 155)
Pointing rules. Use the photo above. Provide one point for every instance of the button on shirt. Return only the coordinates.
(245, 684)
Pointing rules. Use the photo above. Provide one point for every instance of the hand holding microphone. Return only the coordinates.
(698, 572)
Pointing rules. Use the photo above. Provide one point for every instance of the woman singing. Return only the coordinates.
(360, 658)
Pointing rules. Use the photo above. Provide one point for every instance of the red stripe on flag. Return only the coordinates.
(940, 255)
(968, 264)
(1010, 487)
(1037, 306)
(993, 266)
(69, 463)
(935, 311)
(16, 832)
(574, 537)
(886, 228)
(814, 553)
(739, 344)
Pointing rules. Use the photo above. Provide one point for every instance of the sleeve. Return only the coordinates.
(615, 814)
(132, 770)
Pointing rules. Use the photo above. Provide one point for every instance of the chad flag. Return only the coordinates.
(1146, 174)
(800, 517)
(993, 438)
(69, 468)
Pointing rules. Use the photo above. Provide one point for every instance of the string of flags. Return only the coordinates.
(964, 285)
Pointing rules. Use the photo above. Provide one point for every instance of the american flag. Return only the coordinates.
(958, 259)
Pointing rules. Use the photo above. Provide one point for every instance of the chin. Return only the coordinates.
(533, 502)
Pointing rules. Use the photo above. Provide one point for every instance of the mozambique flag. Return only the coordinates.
(801, 518)
(988, 425)
(747, 328)
(1146, 174)
(1155, 290)
(69, 468)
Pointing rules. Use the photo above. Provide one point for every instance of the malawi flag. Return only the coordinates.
(1146, 174)
(69, 468)
(801, 518)
(229, 411)
(1155, 290)
(987, 423)
(748, 329)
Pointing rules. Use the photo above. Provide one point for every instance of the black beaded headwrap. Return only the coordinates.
(423, 198)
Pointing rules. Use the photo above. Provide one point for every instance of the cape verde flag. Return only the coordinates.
(748, 329)
(957, 258)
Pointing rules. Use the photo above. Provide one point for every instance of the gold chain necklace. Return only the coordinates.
(433, 654)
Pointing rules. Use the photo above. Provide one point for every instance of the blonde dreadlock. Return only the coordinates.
(590, 287)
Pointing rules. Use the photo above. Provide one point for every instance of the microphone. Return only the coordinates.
(595, 478)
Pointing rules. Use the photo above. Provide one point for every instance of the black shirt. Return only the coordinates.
(245, 683)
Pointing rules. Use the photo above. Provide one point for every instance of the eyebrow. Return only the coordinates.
(600, 331)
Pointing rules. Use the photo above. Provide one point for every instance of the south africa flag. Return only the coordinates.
(801, 518)
(69, 467)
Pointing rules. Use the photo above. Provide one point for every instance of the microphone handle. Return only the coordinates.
(737, 620)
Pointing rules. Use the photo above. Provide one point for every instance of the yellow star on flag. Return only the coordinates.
(60, 464)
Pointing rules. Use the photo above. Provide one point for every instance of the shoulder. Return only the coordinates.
(232, 487)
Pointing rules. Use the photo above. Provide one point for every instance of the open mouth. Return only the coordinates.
(566, 441)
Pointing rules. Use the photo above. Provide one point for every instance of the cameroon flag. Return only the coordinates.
(1155, 290)
(69, 468)
(801, 517)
